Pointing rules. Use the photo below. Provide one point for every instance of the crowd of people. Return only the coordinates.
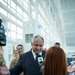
(38, 61)
(16, 54)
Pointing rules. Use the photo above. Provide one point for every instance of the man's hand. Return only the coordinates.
(70, 69)
(4, 70)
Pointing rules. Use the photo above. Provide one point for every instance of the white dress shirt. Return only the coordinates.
(34, 54)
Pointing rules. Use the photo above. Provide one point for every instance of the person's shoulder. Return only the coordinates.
(26, 53)
(43, 51)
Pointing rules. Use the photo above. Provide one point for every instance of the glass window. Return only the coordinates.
(13, 27)
(20, 0)
(20, 23)
(13, 35)
(3, 2)
(34, 1)
(13, 18)
(9, 1)
(40, 19)
(28, 38)
(19, 10)
(13, 5)
(26, 1)
(19, 36)
(19, 30)
(8, 25)
(25, 16)
(33, 14)
(8, 15)
(32, 7)
(19, 15)
(25, 4)
(3, 11)
(13, 10)
(8, 34)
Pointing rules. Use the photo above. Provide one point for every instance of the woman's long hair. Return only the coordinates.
(55, 62)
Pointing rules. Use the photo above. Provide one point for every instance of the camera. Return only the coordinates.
(2, 34)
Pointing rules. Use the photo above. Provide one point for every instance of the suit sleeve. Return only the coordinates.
(18, 68)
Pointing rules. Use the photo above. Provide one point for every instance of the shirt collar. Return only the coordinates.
(34, 54)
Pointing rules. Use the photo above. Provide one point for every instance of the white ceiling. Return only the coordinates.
(67, 9)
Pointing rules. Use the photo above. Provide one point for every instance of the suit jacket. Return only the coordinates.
(27, 64)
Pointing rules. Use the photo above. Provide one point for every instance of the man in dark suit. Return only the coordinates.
(27, 61)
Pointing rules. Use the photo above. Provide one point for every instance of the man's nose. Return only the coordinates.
(38, 47)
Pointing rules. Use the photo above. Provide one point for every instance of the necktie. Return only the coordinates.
(37, 55)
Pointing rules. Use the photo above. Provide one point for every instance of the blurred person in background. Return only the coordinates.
(20, 49)
(57, 44)
(14, 59)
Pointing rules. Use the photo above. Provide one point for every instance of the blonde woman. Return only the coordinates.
(15, 58)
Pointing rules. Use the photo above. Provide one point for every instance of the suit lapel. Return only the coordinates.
(32, 59)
